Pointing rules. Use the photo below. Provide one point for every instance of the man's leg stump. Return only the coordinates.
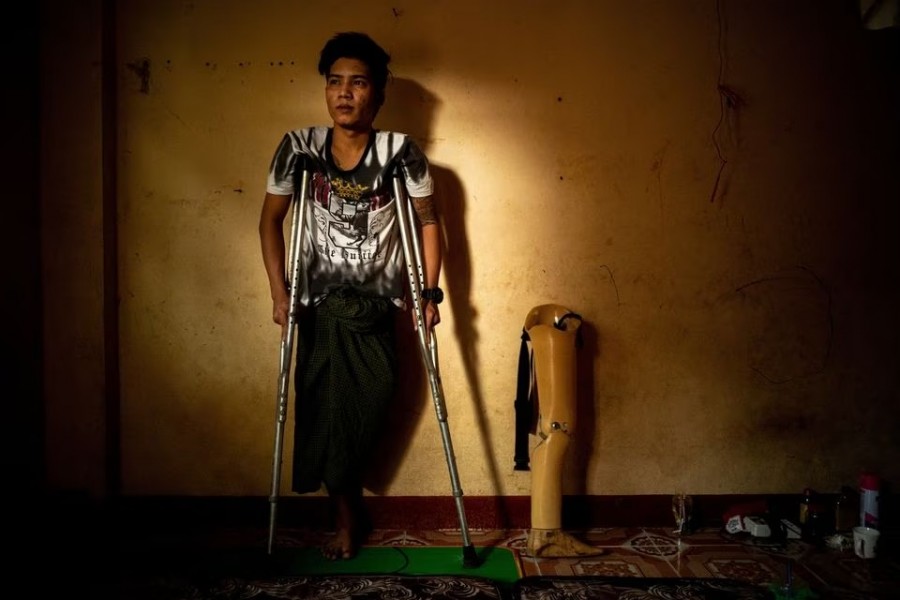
(552, 330)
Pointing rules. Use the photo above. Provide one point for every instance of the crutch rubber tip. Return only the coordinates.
(470, 558)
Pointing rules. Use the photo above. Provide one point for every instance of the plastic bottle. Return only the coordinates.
(804, 506)
(816, 526)
(845, 509)
(868, 500)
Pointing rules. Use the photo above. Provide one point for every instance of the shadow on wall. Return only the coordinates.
(411, 108)
(583, 442)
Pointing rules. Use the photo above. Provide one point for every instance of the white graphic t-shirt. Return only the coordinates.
(351, 232)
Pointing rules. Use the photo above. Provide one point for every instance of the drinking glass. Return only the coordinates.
(681, 510)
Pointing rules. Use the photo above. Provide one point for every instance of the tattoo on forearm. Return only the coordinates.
(425, 210)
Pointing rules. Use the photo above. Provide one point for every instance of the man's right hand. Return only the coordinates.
(281, 303)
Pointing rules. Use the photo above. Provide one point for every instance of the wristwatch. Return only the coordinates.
(435, 295)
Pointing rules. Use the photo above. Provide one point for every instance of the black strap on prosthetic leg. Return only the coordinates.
(524, 406)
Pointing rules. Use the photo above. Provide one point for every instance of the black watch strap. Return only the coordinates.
(435, 295)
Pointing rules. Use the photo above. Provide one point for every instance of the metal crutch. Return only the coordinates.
(412, 253)
(298, 208)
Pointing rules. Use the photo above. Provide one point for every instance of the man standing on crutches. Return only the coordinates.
(352, 281)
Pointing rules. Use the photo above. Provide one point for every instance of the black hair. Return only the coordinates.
(351, 44)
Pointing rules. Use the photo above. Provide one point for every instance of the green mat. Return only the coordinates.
(497, 564)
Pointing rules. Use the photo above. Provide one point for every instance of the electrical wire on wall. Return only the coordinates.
(729, 101)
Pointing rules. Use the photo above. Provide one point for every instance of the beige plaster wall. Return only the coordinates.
(727, 246)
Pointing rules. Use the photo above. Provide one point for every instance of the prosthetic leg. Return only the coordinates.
(552, 330)
(412, 252)
(286, 355)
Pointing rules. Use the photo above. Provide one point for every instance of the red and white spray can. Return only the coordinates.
(868, 500)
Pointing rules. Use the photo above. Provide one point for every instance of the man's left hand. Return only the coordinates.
(430, 314)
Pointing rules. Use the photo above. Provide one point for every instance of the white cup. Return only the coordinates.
(864, 541)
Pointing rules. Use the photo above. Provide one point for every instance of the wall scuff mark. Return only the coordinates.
(141, 68)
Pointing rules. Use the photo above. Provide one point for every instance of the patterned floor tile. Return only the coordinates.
(395, 537)
(609, 537)
(623, 563)
(700, 537)
(739, 563)
(845, 571)
(613, 567)
(616, 561)
(751, 570)
(655, 545)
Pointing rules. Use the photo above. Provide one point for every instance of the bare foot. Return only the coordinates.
(340, 547)
(343, 544)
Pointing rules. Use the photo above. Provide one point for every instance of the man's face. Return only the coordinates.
(349, 94)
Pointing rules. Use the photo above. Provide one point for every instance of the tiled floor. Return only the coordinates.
(656, 552)
(713, 553)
